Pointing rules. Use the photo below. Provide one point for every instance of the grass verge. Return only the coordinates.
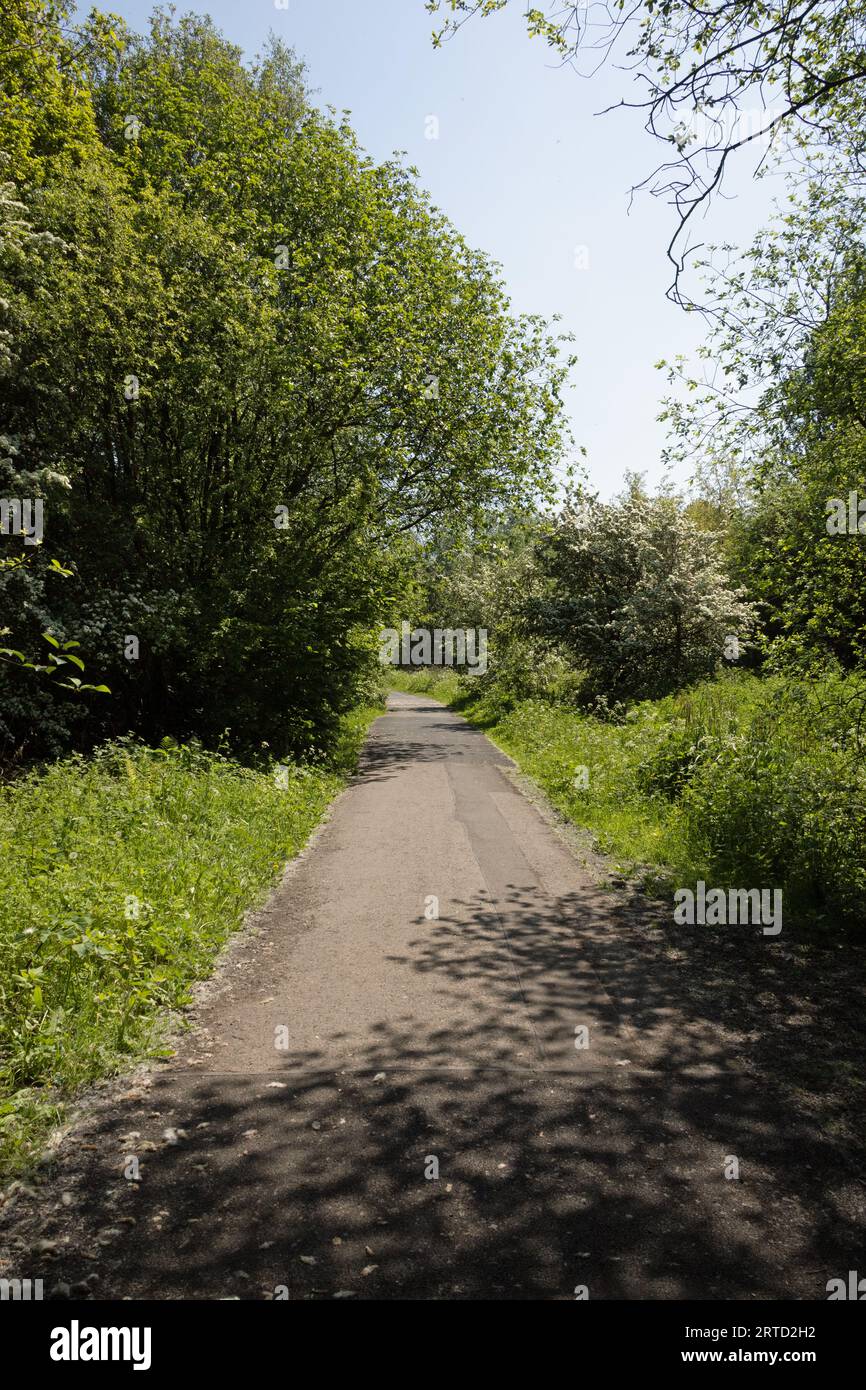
(742, 781)
(125, 873)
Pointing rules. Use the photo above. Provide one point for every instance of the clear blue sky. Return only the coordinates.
(526, 171)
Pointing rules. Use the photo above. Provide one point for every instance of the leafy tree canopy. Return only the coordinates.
(255, 360)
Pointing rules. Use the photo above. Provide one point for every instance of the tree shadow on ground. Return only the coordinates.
(427, 1161)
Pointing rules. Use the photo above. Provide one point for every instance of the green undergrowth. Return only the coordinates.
(124, 874)
(741, 781)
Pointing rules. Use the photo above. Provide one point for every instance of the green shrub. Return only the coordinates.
(742, 781)
(442, 684)
(784, 801)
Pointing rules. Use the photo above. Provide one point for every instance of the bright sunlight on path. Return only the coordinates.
(356, 1041)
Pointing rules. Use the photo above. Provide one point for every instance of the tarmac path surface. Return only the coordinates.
(443, 1064)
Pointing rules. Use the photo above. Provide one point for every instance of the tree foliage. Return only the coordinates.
(255, 359)
(638, 595)
(781, 398)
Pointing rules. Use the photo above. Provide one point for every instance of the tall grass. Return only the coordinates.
(441, 684)
(742, 781)
(782, 799)
(124, 874)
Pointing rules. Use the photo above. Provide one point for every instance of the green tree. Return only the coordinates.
(261, 361)
(46, 112)
(638, 594)
(782, 394)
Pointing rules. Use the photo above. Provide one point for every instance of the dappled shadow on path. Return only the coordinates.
(408, 737)
(558, 1167)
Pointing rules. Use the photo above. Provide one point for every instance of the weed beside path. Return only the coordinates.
(124, 874)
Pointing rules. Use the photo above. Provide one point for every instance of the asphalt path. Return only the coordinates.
(442, 1065)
